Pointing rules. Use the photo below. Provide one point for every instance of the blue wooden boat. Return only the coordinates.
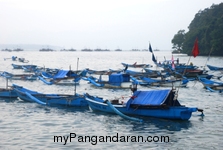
(62, 77)
(50, 99)
(139, 74)
(211, 84)
(168, 64)
(102, 72)
(8, 93)
(162, 82)
(135, 65)
(60, 81)
(16, 66)
(214, 67)
(189, 71)
(114, 80)
(18, 76)
(153, 103)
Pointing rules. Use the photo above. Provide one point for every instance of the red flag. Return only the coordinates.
(195, 50)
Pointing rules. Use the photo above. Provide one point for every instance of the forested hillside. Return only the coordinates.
(207, 26)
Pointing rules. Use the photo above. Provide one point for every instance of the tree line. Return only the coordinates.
(207, 26)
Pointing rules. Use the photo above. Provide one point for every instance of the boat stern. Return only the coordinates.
(186, 114)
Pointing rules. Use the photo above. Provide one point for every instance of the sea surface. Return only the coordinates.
(26, 125)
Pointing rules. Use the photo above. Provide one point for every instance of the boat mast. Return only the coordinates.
(208, 58)
(74, 79)
(6, 83)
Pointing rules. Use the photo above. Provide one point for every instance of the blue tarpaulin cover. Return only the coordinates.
(61, 74)
(153, 97)
(115, 79)
(126, 77)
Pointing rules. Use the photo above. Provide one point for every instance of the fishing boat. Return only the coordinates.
(153, 103)
(211, 85)
(188, 71)
(114, 80)
(194, 73)
(60, 81)
(172, 82)
(140, 74)
(15, 58)
(7, 92)
(215, 68)
(102, 72)
(16, 66)
(50, 99)
(11, 76)
(135, 65)
(62, 77)
(192, 77)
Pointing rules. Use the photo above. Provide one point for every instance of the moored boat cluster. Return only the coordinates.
(159, 102)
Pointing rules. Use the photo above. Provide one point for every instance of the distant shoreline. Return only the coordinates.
(74, 50)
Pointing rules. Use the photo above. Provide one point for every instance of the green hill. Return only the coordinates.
(207, 26)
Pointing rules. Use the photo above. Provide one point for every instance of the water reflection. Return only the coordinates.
(149, 124)
(162, 124)
(8, 100)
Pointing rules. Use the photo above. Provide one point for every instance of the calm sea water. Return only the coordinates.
(31, 126)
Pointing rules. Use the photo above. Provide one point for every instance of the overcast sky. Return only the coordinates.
(111, 24)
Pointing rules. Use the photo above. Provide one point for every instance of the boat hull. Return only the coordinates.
(52, 99)
(214, 68)
(8, 93)
(163, 83)
(170, 84)
(63, 81)
(56, 100)
(178, 112)
(136, 65)
(18, 76)
(211, 84)
(124, 85)
(214, 87)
